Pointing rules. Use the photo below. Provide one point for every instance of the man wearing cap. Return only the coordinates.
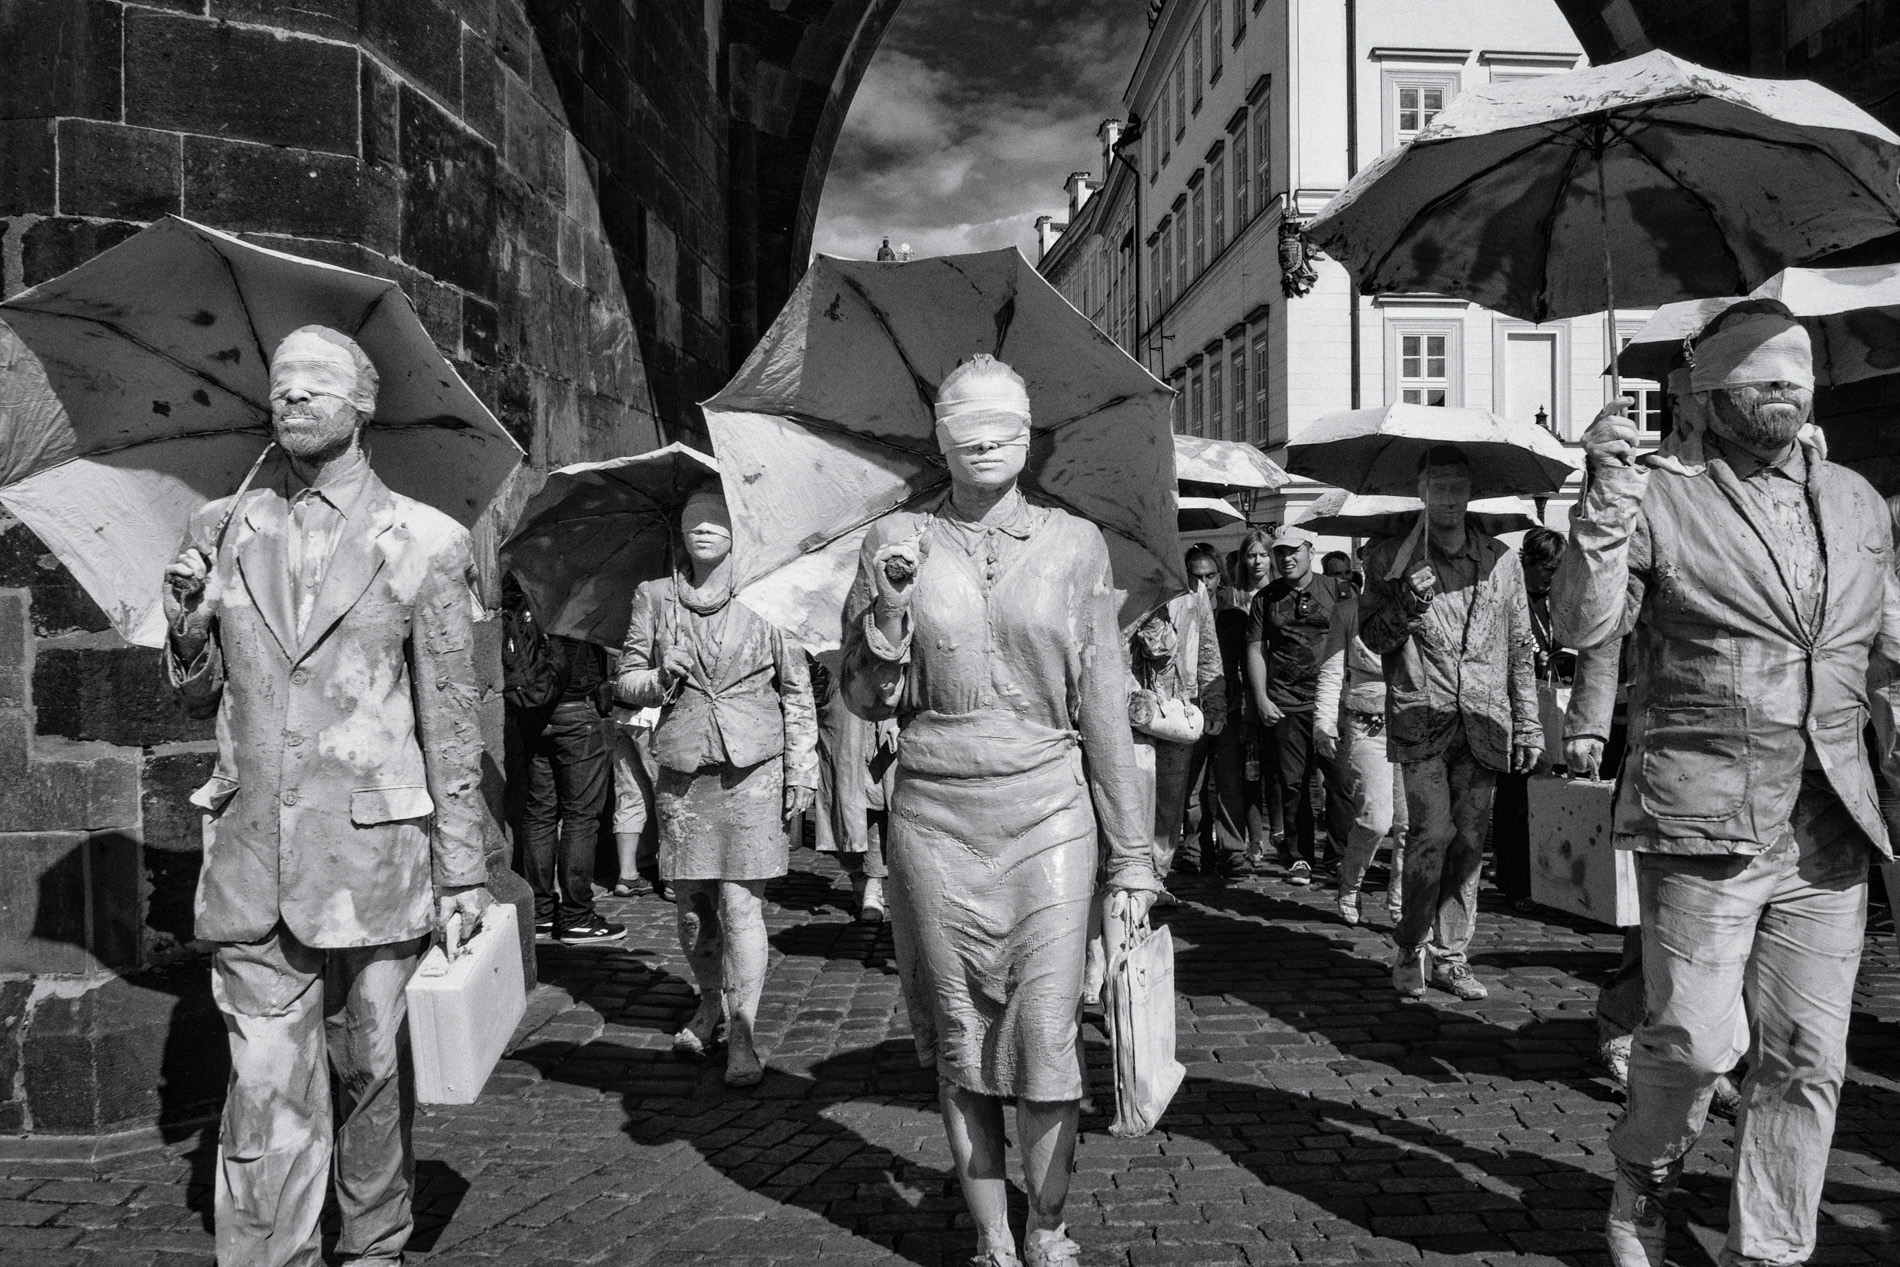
(326, 622)
(1445, 608)
(1286, 642)
(1755, 580)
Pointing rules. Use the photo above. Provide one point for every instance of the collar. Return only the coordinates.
(1013, 515)
(340, 483)
(1468, 551)
(1746, 465)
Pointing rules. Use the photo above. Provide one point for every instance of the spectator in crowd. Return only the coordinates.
(1445, 608)
(1539, 555)
(736, 747)
(1220, 849)
(636, 832)
(1349, 733)
(1337, 566)
(569, 774)
(1247, 804)
(1174, 657)
(1286, 640)
(856, 761)
(1757, 581)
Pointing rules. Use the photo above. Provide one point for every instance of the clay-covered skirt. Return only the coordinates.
(723, 823)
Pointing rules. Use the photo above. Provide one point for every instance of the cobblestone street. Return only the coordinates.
(1322, 1119)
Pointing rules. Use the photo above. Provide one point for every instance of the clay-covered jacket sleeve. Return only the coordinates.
(448, 715)
(200, 684)
(1211, 672)
(638, 682)
(1122, 815)
(1527, 722)
(800, 709)
(1884, 698)
(1593, 693)
(875, 673)
(1598, 588)
(1384, 624)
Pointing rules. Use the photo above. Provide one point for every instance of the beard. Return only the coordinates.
(1760, 419)
(311, 433)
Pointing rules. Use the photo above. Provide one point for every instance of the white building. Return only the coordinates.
(1253, 113)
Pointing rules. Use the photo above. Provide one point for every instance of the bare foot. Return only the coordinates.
(698, 1036)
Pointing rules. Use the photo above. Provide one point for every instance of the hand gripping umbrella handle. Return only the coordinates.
(224, 525)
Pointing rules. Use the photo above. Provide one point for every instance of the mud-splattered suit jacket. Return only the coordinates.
(348, 782)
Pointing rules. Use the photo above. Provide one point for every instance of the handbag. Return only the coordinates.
(1140, 1013)
(1170, 720)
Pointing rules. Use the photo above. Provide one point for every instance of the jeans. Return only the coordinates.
(1171, 762)
(1774, 937)
(869, 864)
(567, 790)
(292, 1015)
(1371, 781)
(1203, 821)
(1449, 800)
(1243, 816)
(1295, 766)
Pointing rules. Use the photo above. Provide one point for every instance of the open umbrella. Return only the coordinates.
(137, 388)
(1643, 182)
(1206, 514)
(1215, 468)
(598, 529)
(1378, 450)
(829, 425)
(1342, 514)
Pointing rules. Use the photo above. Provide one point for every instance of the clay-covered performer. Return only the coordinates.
(327, 622)
(986, 626)
(736, 751)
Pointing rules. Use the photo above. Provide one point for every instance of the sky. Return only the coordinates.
(970, 118)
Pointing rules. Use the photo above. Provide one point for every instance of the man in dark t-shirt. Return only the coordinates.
(1286, 642)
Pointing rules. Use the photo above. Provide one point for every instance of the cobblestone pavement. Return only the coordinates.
(1322, 1119)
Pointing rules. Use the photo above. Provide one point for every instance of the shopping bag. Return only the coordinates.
(1140, 1011)
(463, 1011)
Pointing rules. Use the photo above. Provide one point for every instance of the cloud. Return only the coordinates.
(970, 118)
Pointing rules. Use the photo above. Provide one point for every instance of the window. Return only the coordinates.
(1418, 106)
(1257, 424)
(1196, 62)
(1200, 228)
(1240, 20)
(1242, 174)
(1154, 156)
(1413, 99)
(1237, 370)
(1647, 410)
(1213, 41)
(1197, 402)
(1425, 369)
(1180, 96)
(1167, 264)
(1262, 155)
(1217, 202)
(1181, 250)
(1215, 416)
(1167, 130)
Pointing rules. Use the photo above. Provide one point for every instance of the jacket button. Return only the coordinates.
(292, 738)
(289, 797)
(299, 676)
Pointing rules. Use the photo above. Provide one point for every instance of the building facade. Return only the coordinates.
(1092, 257)
(1245, 118)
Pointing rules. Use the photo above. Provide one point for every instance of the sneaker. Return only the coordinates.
(1636, 1232)
(1726, 1102)
(1458, 979)
(1349, 909)
(1408, 974)
(595, 929)
(871, 902)
(1299, 875)
(544, 927)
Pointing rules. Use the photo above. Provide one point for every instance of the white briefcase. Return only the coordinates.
(1574, 867)
(463, 1011)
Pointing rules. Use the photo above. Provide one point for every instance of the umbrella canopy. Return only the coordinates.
(138, 389)
(829, 426)
(1378, 450)
(1342, 514)
(1207, 514)
(1690, 182)
(1214, 468)
(598, 529)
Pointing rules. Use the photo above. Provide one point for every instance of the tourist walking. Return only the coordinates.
(1246, 803)
(1349, 720)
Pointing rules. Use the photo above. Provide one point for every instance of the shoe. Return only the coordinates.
(1726, 1102)
(1408, 974)
(1636, 1232)
(1299, 875)
(628, 888)
(996, 1258)
(1458, 979)
(1349, 909)
(1047, 1248)
(1227, 866)
(544, 927)
(871, 903)
(742, 1072)
(660, 888)
(594, 930)
(1615, 1055)
(1255, 859)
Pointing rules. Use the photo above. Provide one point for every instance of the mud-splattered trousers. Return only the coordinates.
(1757, 597)
(347, 791)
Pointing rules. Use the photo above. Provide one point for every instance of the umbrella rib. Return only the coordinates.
(143, 346)
(1433, 204)
(930, 490)
(244, 306)
(1656, 164)
(207, 434)
(1794, 144)
(812, 423)
(926, 394)
(1549, 224)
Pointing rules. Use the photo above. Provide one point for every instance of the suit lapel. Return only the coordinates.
(263, 561)
(354, 563)
(1731, 488)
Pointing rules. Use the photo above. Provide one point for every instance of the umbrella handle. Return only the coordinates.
(1609, 279)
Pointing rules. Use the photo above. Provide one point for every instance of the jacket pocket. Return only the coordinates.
(372, 805)
(1698, 762)
(215, 794)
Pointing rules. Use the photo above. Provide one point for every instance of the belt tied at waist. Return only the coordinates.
(987, 743)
